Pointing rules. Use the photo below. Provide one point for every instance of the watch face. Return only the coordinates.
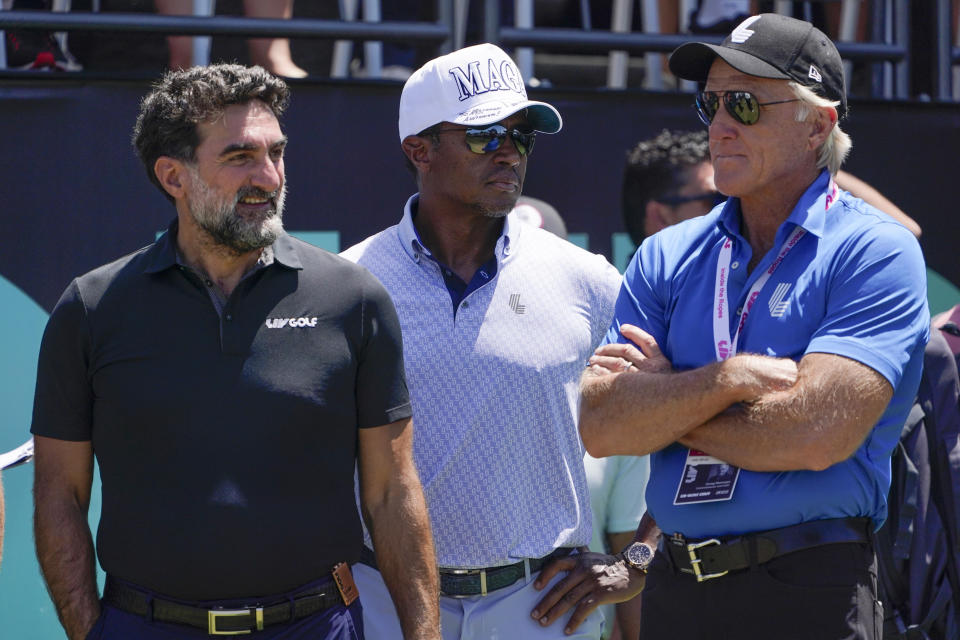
(639, 555)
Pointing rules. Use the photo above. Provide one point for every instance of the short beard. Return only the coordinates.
(226, 227)
(494, 211)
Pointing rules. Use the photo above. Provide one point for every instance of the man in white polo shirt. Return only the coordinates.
(498, 319)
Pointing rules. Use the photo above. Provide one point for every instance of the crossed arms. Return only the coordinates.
(756, 412)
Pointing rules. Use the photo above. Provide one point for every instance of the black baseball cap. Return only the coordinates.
(770, 45)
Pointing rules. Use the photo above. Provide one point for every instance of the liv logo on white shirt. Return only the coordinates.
(778, 306)
(515, 304)
(280, 323)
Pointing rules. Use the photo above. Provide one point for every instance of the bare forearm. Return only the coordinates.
(870, 195)
(635, 413)
(400, 528)
(749, 437)
(817, 423)
(628, 616)
(648, 531)
(65, 552)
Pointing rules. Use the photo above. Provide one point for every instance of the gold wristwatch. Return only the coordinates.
(638, 555)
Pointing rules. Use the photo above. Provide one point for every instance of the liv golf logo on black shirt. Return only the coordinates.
(280, 323)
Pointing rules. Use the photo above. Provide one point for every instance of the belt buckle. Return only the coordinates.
(214, 614)
(466, 572)
(695, 560)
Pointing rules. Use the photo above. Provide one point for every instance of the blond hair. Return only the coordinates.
(836, 147)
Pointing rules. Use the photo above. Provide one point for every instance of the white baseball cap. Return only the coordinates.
(477, 85)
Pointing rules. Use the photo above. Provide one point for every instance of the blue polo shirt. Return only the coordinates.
(854, 286)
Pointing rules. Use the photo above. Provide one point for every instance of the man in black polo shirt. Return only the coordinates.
(227, 377)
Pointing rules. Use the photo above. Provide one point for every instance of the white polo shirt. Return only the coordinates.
(495, 388)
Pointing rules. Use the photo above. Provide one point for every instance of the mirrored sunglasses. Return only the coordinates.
(743, 106)
(489, 139)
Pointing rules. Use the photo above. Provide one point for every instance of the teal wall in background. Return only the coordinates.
(26, 611)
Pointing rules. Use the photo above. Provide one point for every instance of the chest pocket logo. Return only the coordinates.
(778, 306)
(279, 323)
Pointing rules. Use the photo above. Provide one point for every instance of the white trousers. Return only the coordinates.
(503, 614)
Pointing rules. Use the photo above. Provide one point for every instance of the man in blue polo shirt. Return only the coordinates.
(767, 355)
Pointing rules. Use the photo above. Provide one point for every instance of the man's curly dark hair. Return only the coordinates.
(169, 114)
(657, 168)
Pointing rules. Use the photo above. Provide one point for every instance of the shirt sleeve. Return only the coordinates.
(63, 399)
(381, 392)
(876, 307)
(607, 286)
(627, 502)
(641, 301)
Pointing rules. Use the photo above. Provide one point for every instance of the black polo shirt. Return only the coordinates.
(226, 443)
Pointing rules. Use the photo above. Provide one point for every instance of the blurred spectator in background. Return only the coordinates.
(949, 321)
(617, 484)
(718, 16)
(273, 54)
(668, 178)
(34, 49)
(540, 214)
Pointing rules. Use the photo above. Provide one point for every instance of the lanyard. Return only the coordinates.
(724, 346)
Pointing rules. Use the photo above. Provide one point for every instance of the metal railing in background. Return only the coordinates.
(406, 32)
(888, 24)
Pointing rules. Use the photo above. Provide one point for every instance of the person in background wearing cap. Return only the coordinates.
(781, 334)
(498, 318)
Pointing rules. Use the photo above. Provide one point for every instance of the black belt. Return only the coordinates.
(462, 583)
(716, 557)
(221, 621)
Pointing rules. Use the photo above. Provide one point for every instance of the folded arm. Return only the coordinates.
(396, 514)
(63, 472)
(819, 421)
(643, 408)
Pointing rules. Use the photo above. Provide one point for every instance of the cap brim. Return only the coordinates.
(692, 61)
(541, 116)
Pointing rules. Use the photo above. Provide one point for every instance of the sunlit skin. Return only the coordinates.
(485, 184)
(765, 161)
(243, 150)
(240, 153)
(464, 196)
